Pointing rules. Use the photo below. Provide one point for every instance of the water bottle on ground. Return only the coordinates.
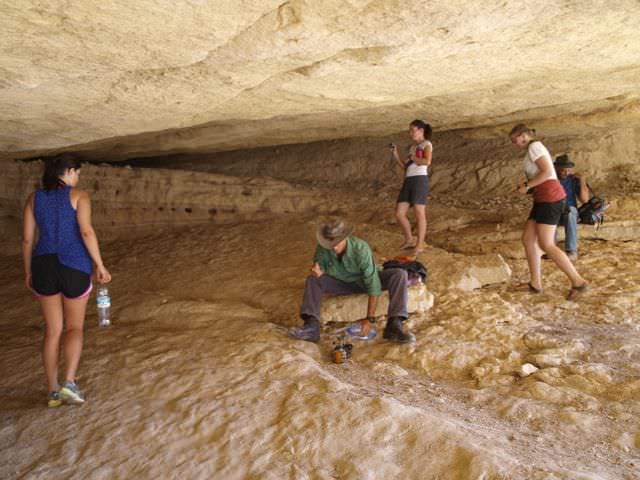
(103, 301)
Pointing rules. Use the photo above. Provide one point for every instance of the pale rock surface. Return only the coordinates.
(465, 272)
(350, 308)
(527, 369)
(138, 79)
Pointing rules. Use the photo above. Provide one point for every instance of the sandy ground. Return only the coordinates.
(196, 378)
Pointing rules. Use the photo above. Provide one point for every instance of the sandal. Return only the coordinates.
(527, 287)
(575, 292)
(409, 245)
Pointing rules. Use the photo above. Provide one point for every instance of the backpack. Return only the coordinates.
(414, 268)
(592, 212)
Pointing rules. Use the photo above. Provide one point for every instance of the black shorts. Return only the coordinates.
(547, 213)
(50, 277)
(414, 190)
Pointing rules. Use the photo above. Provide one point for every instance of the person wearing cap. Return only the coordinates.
(343, 264)
(576, 189)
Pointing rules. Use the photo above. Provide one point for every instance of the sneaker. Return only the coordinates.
(354, 332)
(53, 400)
(393, 331)
(310, 332)
(573, 256)
(70, 393)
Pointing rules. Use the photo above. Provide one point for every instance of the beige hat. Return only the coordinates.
(332, 233)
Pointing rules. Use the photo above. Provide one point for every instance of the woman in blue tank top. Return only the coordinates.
(58, 270)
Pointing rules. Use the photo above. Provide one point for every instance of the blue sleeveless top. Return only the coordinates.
(59, 232)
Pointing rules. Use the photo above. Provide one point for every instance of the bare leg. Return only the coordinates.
(74, 310)
(53, 318)
(401, 215)
(533, 252)
(546, 240)
(421, 220)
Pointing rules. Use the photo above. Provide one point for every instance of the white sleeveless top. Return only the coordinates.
(414, 169)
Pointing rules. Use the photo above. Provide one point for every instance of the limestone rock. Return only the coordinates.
(354, 307)
(137, 78)
(462, 272)
(527, 369)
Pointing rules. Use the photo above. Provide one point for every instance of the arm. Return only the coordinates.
(320, 259)
(396, 157)
(371, 281)
(28, 236)
(545, 168)
(427, 154)
(372, 305)
(583, 190)
(89, 236)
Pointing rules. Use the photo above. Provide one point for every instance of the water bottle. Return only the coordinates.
(103, 301)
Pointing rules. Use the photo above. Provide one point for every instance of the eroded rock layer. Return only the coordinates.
(139, 78)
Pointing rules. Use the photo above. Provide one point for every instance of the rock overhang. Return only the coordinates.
(138, 79)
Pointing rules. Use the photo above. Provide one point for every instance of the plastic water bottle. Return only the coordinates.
(103, 301)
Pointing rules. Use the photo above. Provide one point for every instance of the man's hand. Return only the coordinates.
(365, 326)
(316, 271)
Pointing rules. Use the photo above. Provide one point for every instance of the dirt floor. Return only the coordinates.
(196, 377)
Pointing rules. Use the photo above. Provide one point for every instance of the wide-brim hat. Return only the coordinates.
(331, 233)
(562, 161)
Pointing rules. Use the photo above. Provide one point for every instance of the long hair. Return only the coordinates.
(54, 168)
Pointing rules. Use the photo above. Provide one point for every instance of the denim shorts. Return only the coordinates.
(414, 190)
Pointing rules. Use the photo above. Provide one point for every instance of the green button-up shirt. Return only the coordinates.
(355, 266)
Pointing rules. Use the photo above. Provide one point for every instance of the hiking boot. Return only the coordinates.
(53, 400)
(310, 332)
(70, 393)
(573, 256)
(393, 331)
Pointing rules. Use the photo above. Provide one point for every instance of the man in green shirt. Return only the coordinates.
(343, 265)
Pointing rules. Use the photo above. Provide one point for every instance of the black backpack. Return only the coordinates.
(592, 212)
(413, 268)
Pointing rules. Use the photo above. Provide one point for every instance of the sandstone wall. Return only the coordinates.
(128, 201)
(464, 162)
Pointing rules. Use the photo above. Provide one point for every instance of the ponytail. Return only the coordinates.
(55, 167)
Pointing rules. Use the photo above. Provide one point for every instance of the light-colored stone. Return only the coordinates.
(350, 308)
(138, 78)
(527, 369)
(466, 272)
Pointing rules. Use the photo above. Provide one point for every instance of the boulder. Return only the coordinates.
(350, 308)
(466, 272)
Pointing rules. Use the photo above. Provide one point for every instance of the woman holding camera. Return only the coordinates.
(548, 205)
(58, 270)
(415, 187)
